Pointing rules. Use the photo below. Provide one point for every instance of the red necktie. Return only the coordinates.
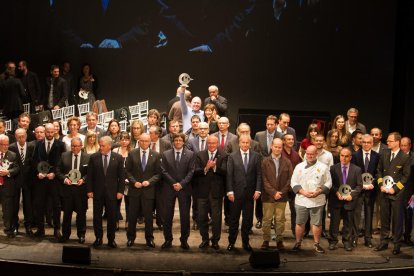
(222, 142)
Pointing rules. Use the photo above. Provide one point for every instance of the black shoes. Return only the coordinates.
(184, 245)
(166, 244)
(332, 246)
(381, 247)
(265, 245)
(81, 239)
(112, 244)
(230, 247)
(296, 247)
(368, 243)
(408, 242)
(318, 249)
(150, 243)
(348, 246)
(259, 224)
(215, 245)
(396, 249)
(97, 243)
(280, 245)
(130, 243)
(39, 233)
(57, 234)
(63, 239)
(247, 247)
(204, 244)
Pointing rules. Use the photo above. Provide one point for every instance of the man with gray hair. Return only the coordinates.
(214, 98)
(91, 121)
(8, 172)
(311, 181)
(352, 123)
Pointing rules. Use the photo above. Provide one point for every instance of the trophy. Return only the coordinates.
(43, 167)
(344, 190)
(388, 182)
(83, 94)
(184, 79)
(367, 179)
(74, 176)
(4, 164)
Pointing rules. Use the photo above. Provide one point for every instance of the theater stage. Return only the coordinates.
(45, 256)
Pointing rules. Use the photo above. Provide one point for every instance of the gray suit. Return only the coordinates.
(230, 137)
(261, 138)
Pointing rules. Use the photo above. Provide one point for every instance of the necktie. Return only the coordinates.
(366, 161)
(245, 161)
(154, 147)
(1, 163)
(50, 98)
(22, 154)
(269, 143)
(177, 158)
(344, 178)
(48, 147)
(202, 144)
(392, 156)
(212, 156)
(222, 142)
(105, 164)
(144, 160)
(75, 163)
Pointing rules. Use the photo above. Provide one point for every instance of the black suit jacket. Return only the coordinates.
(60, 91)
(9, 185)
(261, 138)
(164, 145)
(65, 166)
(220, 104)
(106, 185)
(12, 96)
(358, 159)
(210, 181)
(233, 146)
(398, 169)
(181, 172)
(32, 86)
(39, 154)
(354, 180)
(152, 173)
(26, 169)
(238, 180)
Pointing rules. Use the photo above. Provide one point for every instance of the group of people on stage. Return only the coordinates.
(203, 165)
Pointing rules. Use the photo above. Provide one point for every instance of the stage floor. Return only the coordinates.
(195, 260)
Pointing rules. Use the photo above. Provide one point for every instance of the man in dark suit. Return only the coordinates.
(158, 145)
(177, 170)
(31, 85)
(367, 160)
(24, 122)
(74, 193)
(276, 174)
(283, 126)
(210, 170)
(224, 135)
(219, 101)
(8, 174)
(396, 164)
(91, 121)
(12, 95)
(143, 170)
(25, 178)
(405, 146)
(46, 185)
(243, 186)
(343, 206)
(233, 145)
(265, 138)
(105, 184)
(56, 92)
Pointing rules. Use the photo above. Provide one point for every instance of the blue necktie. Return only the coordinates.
(143, 161)
(245, 162)
(344, 178)
(366, 162)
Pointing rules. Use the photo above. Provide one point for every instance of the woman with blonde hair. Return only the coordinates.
(91, 142)
(332, 144)
(73, 124)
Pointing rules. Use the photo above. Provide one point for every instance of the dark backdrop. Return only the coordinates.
(325, 57)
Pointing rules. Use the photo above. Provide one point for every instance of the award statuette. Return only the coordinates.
(4, 164)
(388, 182)
(344, 190)
(184, 79)
(367, 179)
(74, 176)
(43, 167)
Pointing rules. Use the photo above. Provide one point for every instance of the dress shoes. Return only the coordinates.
(332, 246)
(160, 227)
(39, 233)
(259, 224)
(381, 247)
(63, 239)
(204, 244)
(230, 247)
(81, 239)
(112, 244)
(166, 244)
(408, 242)
(184, 245)
(97, 242)
(265, 245)
(130, 243)
(150, 243)
(396, 250)
(215, 245)
(11, 235)
(348, 246)
(140, 220)
(368, 243)
(29, 232)
(57, 234)
(296, 247)
(280, 245)
(247, 247)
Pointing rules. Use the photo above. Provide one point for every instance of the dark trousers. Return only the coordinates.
(159, 205)
(75, 200)
(226, 203)
(16, 206)
(205, 206)
(367, 200)
(391, 211)
(126, 201)
(245, 205)
(27, 192)
(137, 203)
(8, 205)
(184, 203)
(291, 199)
(110, 209)
(348, 224)
(46, 190)
(259, 209)
(408, 223)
